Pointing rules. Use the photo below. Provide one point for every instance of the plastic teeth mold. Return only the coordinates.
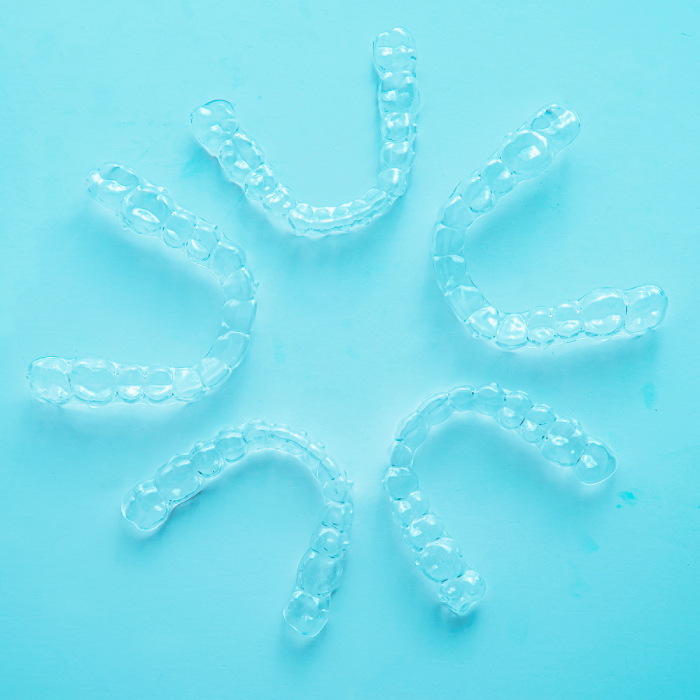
(600, 314)
(149, 503)
(561, 440)
(215, 126)
(148, 210)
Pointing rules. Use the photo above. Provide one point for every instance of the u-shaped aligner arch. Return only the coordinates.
(599, 314)
(149, 210)
(149, 503)
(215, 126)
(561, 440)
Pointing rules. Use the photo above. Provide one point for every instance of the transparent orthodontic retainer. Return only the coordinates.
(149, 211)
(562, 441)
(149, 504)
(215, 125)
(600, 314)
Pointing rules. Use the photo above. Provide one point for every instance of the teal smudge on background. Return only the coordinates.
(649, 393)
(579, 587)
(589, 544)
(627, 497)
(280, 356)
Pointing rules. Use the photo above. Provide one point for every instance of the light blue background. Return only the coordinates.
(592, 592)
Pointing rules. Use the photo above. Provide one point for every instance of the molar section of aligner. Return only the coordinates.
(559, 125)
(509, 408)
(561, 440)
(441, 559)
(537, 422)
(260, 183)
(329, 541)
(528, 151)
(540, 326)
(148, 504)
(279, 203)
(202, 242)
(49, 379)
(93, 381)
(130, 381)
(144, 506)
(307, 613)
(394, 51)
(178, 480)
(567, 445)
(231, 444)
(567, 321)
(512, 332)
(646, 309)
(414, 506)
(157, 384)
(146, 209)
(596, 464)
(489, 400)
(437, 555)
(459, 594)
(603, 312)
(111, 184)
(240, 156)
(398, 94)
(206, 459)
(516, 406)
(213, 124)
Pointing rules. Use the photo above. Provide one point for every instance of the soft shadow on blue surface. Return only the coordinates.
(591, 592)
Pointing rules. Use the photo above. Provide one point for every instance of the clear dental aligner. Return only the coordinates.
(149, 210)
(599, 314)
(149, 503)
(215, 126)
(561, 440)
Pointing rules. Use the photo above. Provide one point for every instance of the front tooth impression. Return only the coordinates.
(149, 210)
(600, 314)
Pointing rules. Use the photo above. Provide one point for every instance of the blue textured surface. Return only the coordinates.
(591, 593)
